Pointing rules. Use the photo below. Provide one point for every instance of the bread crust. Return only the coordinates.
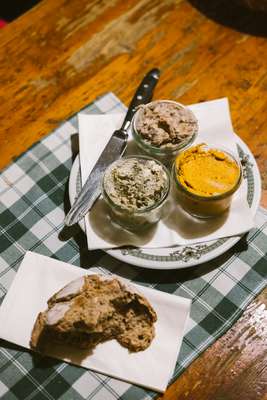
(93, 309)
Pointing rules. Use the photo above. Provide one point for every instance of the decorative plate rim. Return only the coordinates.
(183, 256)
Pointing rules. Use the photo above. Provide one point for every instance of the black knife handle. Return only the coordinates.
(143, 95)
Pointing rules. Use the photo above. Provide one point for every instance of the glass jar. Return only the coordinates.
(132, 218)
(212, 204)
(166, 152)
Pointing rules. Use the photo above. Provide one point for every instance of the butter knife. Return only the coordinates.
(113, 150)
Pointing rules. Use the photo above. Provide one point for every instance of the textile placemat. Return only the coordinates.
(33, 199)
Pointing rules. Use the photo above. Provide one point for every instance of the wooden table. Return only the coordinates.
(58, 57)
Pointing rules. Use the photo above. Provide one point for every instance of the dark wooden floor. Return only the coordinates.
(12, 9)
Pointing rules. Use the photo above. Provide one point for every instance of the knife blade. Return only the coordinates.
(113, 150)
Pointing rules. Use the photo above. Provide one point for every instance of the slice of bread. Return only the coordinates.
(93, 309)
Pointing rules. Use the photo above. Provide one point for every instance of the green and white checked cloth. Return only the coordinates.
(32, 200)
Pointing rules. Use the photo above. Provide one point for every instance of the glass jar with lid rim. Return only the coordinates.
(185, 126)
(207, 205)
(129, 216)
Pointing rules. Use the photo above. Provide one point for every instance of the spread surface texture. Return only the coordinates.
(166, 124)
(207, 172)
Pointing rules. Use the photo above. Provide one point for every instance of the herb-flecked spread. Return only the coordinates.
(135, 184)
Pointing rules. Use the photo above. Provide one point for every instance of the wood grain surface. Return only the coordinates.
(62, 54)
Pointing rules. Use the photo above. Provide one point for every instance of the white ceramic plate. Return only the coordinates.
(182, 256)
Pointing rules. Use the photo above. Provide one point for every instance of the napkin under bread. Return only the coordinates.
(179, 228)
(39, 277)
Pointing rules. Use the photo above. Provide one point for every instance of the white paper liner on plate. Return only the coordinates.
(179, 228)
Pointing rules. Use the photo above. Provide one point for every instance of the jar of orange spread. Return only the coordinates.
(206, 179)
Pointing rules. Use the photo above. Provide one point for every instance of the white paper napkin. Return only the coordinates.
(39, 277)
(179, 228)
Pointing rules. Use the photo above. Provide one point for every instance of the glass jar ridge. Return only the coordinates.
(206, 206)
(136, 219)
(166, 151)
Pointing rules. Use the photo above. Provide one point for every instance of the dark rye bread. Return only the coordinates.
(93, 309)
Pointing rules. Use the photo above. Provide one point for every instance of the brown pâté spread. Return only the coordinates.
(165, 124)
(207, 172)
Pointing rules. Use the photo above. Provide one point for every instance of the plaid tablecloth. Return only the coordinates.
(33, 197)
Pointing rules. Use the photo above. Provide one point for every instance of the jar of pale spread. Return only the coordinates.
(162, 128)
(135, 189)
(206, 179)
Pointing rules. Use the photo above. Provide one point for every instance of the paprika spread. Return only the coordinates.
(207, 172)
(206, 180)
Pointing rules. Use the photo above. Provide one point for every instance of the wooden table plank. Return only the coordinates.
(59, 56)
(234, 367)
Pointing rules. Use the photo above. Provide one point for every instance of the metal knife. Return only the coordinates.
(113, 150)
